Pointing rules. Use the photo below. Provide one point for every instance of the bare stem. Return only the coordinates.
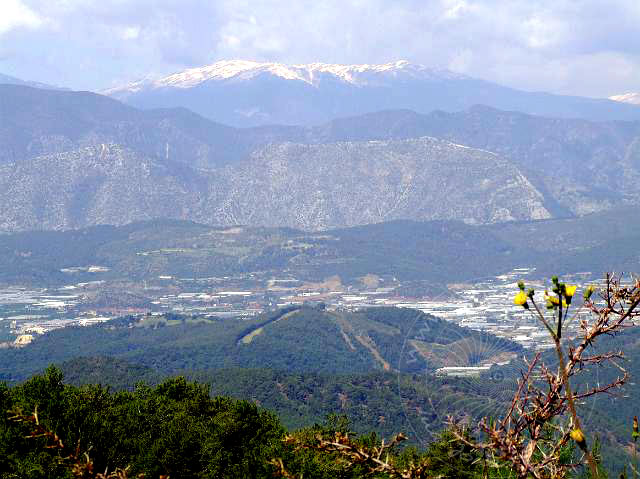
(571, 403)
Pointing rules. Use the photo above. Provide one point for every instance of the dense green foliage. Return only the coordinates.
(333, 343)
(302, 381)
(384, 402)
(378, 401)
(174, 428)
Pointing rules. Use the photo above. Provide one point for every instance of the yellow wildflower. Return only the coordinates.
(570, 290)
(578, 436)
(554, 300)
(520, 299)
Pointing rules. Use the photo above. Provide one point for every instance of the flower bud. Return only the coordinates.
(588, 292)
(578, 436)
(521, 300)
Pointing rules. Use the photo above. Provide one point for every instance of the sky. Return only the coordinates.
(578, 47)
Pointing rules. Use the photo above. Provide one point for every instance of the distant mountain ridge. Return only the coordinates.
(39, 122)
(113, 164)
(9, 80)
(312, 73)
(580, 166)
(245, 93)
(303, 186)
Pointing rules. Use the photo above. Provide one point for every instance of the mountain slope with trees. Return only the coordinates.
(220, 173)
(307, 187)
(335, 342)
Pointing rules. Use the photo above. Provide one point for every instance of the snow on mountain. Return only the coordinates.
(247, 93)
(632, 98)
(311, 74)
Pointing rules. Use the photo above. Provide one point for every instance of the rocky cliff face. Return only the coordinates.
(93, 185)
(304, 186)
(351, 183)
(580, 166)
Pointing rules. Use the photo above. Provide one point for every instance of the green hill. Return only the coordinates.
(304, 339)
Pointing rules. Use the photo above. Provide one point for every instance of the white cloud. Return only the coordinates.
(15, 15)
(533, 44)
(130, 33)
(453, 9)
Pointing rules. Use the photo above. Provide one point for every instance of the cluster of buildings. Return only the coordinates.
(483, 305)
(26, 312)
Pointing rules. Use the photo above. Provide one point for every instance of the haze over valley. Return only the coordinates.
(232, 246)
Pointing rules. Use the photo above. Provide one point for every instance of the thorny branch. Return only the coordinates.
(529, 437)
(79, 464)
(374, 460)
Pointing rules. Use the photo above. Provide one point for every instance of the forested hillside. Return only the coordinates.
(177, 429)
(334, 342)
(436, 251)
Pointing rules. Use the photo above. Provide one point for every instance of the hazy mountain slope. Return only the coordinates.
(585, 166)
(307, 187)
(242, 175)
(346, 184)
(9, 80)
(39, 122)
(245, 93)
(108, 185)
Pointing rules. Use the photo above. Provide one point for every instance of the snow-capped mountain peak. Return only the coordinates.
(632, 98)
(312, 73)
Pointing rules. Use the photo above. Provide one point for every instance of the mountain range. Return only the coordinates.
(245, 93)
(75, 159)
(305, 186)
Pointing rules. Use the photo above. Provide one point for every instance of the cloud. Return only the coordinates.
(537, 45)
(94, 44)
(16, 15)
(588, 48)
